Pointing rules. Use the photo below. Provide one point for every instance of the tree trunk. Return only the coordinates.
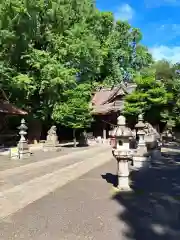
(74, 137)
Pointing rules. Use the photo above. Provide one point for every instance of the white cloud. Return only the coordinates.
(125, 12)
(164, 52)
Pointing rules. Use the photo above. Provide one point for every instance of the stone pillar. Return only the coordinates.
(141, 156)
(104, 132)
(23, 148)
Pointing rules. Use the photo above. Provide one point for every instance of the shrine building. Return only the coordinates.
(107, 103)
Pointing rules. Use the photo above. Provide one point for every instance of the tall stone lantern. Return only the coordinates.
(122, 152)
(141, 155)
(23, 147)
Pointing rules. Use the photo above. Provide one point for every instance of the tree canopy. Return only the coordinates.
(51, 49)
(157, 94)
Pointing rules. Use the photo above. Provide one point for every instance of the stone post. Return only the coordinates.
(104, 132)
(23, 148)
(122, 152)
(141, 156)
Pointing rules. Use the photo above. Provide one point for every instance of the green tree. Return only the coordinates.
(74, 112)
(118, 53)
(164, 70)
(48, 47)
(43, 46)
(171, 113)
(150, 98)
(169, 76)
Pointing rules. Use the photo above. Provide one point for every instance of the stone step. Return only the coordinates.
(13, 177)
(18, 197)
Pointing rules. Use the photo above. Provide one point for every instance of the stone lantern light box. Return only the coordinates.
(122, 134)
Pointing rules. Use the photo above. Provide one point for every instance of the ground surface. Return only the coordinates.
(38, 155)
(88, 208)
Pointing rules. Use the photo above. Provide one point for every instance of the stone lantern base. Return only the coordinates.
(141, 157)
(23, 150)
(51, 146)
(123, 174)
(141, 161)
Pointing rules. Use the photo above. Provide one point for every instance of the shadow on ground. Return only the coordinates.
(72, 145)
(111, 178)
(152, 208)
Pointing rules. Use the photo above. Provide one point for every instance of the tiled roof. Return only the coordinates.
(102, 101)
(105, 95)
(6, 107)
(107, 108)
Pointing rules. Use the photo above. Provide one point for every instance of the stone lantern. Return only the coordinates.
(141, 155)
(153, 143)
(23, 147)
(122, 152)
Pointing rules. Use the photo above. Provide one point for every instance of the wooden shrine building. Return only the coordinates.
(107, 103)
(7, 109)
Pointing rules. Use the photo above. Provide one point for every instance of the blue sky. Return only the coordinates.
(158, 20)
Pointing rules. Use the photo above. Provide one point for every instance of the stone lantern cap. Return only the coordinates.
(121, 130)
(140, 123)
